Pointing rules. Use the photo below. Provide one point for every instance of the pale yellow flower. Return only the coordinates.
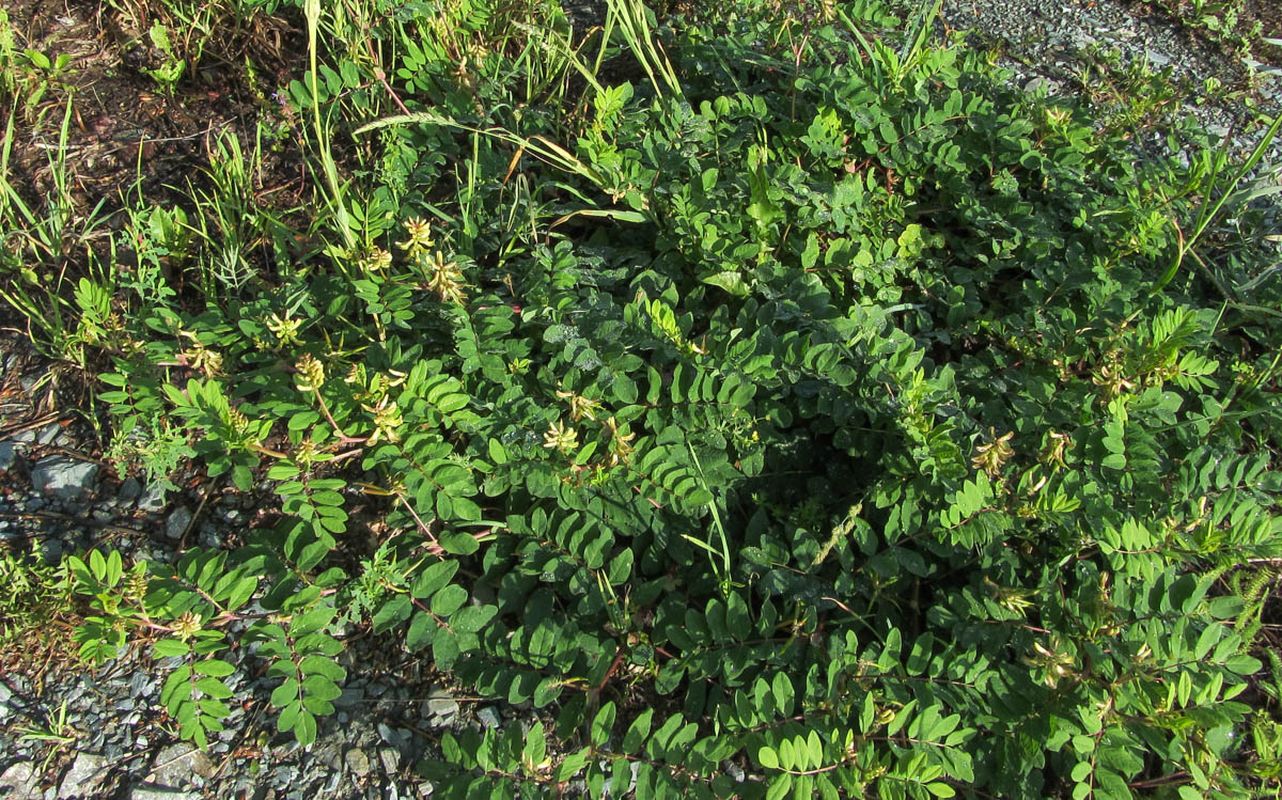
(387, 422)
(376, 260)
(620, 443)
(186, 626)
(580, 406)
(561, 438)
(310, 375)
(285, 329)
(420, 233)
(202, 358)
(1053, 454)
(445, 279)
(990, 457)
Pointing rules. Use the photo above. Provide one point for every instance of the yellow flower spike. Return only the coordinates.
(307, 452)
(1053, 453)
(1014, 601)
(311, 374)
(620, 443)
(420, 233)
(561, 438)
(186, 626)
(446, 279)
(237, 421)
(376, 260)
(201, 358)
(285, 329)
(580, 407)
(992, 456)
(387, 422)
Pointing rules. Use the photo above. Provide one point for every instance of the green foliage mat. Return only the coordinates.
(770, 388)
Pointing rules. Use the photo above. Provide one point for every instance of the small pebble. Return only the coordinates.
(441, 709)
(177, 522)
(391, 758)
(357, 762)
(64, 478)
(49, 434)
(153, 499)
(129, 490)
(8, 456)
(350, 698)
(20, 781)
(146, 792)
(83, 777)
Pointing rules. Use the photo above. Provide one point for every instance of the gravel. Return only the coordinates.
(441, 709)
(357, 762)
(177, 522)
(1052, 42)
(20, 782)
(8, 456)
(128, 491)
(145, 792)
(153, 499)
(50, 434)
(64, 478)
(84, 778)
(489, 717)
(6, 696)
(390, 758)
(180, 765)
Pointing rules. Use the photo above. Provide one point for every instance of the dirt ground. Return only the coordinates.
(126, 131)
(1269, 15)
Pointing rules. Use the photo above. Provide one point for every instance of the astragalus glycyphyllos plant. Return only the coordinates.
(809, 407)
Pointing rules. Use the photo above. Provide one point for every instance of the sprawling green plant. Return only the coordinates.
(806, 406)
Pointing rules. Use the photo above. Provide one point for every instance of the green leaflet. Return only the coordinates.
(812, 415)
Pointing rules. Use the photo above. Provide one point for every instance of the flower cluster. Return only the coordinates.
(561, 438)
(992, 456)
(310, 373)
(438, 273)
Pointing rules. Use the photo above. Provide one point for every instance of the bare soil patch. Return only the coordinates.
(125, 131)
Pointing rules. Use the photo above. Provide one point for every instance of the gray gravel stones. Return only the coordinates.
(396, 737)
(489, 717)
(153, 499)
(128, 491)
(8, 456)
(145, 792)
(732, 769)
(51, 551)
(64, 478)
(1045, 33)
(390, 758)
(178, 765)
(177, 522)
(6, 697)
(357, 762)
(351, 697)
(20, 782)
(1055, 39)
(49, 434)
(84, 778)
(440, 710)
